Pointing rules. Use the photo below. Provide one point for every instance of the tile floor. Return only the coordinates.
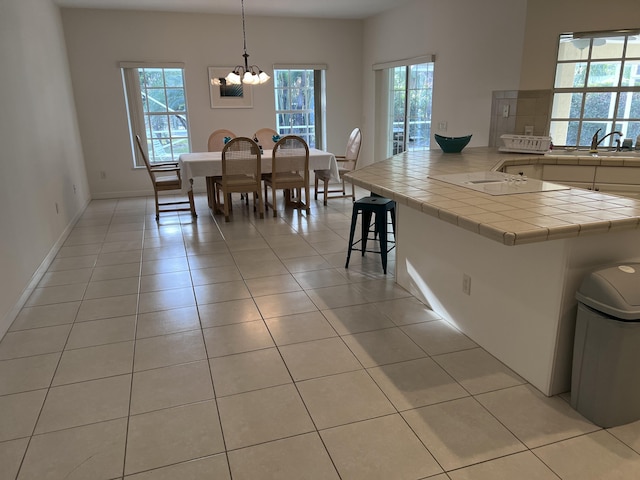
(244, 350)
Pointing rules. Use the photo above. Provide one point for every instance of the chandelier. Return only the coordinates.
(247, 74)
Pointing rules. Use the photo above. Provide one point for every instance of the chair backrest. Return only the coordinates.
(290, 154)
(216, 139)
(241, 155)
(264, 138)
(353, 147)
(143, 153)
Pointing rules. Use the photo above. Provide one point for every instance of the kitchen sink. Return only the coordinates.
(603, 153)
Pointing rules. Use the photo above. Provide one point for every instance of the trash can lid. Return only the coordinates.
(614, 291)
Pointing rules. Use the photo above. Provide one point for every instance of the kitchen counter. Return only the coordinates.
(504, 269)
(509, 219)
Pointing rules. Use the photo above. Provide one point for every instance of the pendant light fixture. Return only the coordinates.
(249, 75)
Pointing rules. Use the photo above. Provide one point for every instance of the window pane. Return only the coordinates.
(608, 47)
(567, 105)
(153, 77)
(629, 105)
(599, 105)
(157, 100)
(173, 77)
(589, 129)
(175, 99)
(573, 49)
(631, 73)
(633, 47)
(564, 132)
(604, 74)
(571, 75)
(632, 131)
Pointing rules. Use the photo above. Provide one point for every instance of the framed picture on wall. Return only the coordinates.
(228, 96)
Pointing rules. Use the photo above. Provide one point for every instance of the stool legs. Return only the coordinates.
(366, 221)
(381, 228)
(354, 219)
(379, 207)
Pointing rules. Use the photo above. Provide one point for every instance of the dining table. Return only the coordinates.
(209, 165)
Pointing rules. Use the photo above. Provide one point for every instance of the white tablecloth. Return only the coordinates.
(209, 164)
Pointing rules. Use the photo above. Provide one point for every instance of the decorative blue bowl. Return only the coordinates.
(452, 144)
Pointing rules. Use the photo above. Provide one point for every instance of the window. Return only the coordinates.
(157, 109)
(410, 99)
(404, 96)
(597, 86)
(299, 93)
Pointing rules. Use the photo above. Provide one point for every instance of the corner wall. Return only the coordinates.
(42, 157)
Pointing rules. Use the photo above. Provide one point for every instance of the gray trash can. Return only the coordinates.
(605, 381)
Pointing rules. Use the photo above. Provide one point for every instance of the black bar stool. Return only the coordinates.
(367, 206)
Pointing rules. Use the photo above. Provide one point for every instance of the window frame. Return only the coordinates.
(137, 114)
(584, 124)
(387, 142)
(318, 73)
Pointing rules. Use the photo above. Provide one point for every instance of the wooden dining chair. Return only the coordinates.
(166, 177)
(264, 138)
(346, 163)
(215, 144)
(216, 139)
(289, 172)
(241, 167)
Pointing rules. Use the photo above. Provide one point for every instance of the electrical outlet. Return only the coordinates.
(505, 110)
(442, 126)
(466, 284)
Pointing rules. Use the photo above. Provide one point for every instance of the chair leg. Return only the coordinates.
(226, 206)
(260, 203)
(326, 191)
(217, 200)
(192, 204)
(157, 206)
(315, 186)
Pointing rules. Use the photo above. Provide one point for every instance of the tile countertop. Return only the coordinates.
(508, 219)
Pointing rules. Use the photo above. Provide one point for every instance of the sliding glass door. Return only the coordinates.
(410, 100)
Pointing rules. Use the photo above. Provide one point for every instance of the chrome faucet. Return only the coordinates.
(595, 142)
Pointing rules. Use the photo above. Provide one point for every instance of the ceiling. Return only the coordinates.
(347, 9)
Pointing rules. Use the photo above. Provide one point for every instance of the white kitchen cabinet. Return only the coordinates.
(621, 175)
(569, 174)
(625, 190)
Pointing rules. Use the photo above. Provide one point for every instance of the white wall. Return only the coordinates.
(478, 48)
(547, 19)
(41, 154)
(98, 39)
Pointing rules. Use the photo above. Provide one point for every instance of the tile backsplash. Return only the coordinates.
(513, 110)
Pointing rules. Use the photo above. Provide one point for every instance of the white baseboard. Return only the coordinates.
(12, 314)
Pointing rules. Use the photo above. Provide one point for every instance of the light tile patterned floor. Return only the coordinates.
(209, 350)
